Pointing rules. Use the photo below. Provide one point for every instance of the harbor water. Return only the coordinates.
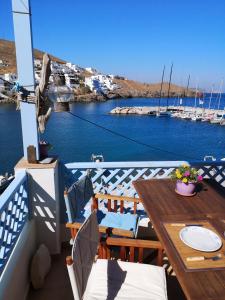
(150, 138)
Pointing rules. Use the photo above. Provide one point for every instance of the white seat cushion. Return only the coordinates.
(110, 279)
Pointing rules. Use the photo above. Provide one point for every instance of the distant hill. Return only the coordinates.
(127, 88)
(8, 55)
(137, 89)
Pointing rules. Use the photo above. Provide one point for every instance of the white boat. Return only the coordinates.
(186, 116)
(207, 118)
(209, 158)
(163, 114)
(97, 158)
(222, 122)
(196, 118)
(217, 119)
(5, 181)
(175, 115)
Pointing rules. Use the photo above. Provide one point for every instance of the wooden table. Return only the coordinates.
(163, 205)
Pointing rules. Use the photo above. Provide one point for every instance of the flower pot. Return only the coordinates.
(44, 150)
(185, 189)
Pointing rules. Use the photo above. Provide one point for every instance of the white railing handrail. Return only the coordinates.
(13, 187)
(140, 164)
(124, 164)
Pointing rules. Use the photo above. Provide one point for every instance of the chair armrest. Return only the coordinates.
(120, 198)
(73, 225)
(136, 243)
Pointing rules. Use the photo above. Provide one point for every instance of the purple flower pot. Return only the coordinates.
(185, 189)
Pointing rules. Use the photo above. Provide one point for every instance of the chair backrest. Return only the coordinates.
(83, 254)
(77, 197)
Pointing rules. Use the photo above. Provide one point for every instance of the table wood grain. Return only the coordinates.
(163, 205)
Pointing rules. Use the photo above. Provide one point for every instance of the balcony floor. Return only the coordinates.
(57, 284)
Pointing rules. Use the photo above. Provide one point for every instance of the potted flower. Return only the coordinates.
(186, 178)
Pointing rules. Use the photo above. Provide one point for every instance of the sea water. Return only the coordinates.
(75, 140)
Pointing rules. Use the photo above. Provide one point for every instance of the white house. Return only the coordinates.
(2, 84)
(72, 81)
(91, 70)
(11, 77)
(74, 67)
(37, 63)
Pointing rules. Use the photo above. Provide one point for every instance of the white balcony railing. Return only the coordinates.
(117, 177)
(13, 216)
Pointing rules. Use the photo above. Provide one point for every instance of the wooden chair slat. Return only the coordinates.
(109, 205)
(131, 254)
(122, 253)
(121, 207)
(135, 207)
(94, 203)
(115, 205)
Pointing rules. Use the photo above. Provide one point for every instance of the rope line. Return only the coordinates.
(130, 139)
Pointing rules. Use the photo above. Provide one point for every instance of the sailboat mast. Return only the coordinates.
(221, 85)
(187, 88)
(210, 99)
(196, 92)
(171, 72)
(160, 95)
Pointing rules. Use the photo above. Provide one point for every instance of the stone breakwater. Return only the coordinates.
(152, 110)
(137, 110)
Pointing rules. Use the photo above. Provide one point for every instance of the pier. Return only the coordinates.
(214, 116)
(153, 110)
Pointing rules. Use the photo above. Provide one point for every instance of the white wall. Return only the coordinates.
(14, 282)
(44, 195)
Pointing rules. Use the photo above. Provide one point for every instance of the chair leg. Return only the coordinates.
(160, 257)
(103, 251)
(100, 252)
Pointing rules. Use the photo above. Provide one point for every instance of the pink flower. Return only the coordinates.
(186, 173)
(199, 178)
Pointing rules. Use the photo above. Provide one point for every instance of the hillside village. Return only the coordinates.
(87, 84)
(80, 80)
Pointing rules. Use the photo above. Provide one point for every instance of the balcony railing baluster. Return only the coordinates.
(13, 215)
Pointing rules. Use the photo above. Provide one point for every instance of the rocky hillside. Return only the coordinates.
(8, 56)
(127, 88)
(130, 88)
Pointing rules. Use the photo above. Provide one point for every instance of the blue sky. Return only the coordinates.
(132, 38)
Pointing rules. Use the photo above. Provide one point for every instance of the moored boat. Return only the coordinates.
(5, 181)
(163, 113)
(196, 118)
(217, 119)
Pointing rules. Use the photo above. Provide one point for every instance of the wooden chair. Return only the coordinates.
(112, 279)
(80, 201)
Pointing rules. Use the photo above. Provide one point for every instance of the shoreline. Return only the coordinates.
(94, 98)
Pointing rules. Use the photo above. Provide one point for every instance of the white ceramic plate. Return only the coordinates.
(200, 238)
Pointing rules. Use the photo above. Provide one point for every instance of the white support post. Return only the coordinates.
(25, 71)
